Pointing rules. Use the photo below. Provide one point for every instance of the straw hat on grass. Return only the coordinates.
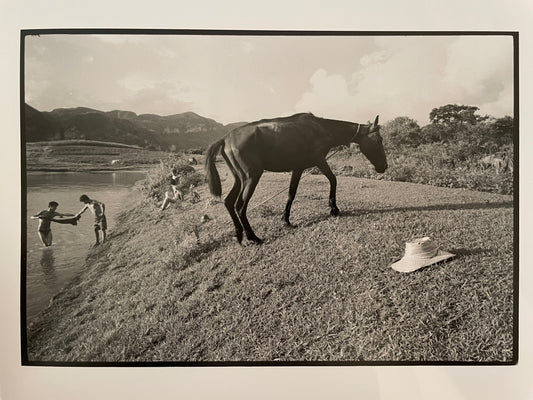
(420, 253)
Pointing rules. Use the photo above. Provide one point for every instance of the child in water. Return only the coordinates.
(100, 221)
(46, 217)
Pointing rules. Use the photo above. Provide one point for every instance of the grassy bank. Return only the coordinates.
(167, 287)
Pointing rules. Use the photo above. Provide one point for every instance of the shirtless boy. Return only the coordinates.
(46, 217)
(98, 209)
(176, 193)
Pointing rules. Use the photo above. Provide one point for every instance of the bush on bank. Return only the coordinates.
(458, 149)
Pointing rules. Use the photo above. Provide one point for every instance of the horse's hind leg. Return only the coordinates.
(295, 179)
(231, 200)
(326, 170)
(249, 186)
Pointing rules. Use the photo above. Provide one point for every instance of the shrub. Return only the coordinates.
(453, 165)
(402, 131)
(402, 173)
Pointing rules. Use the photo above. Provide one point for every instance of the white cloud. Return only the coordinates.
(479, 70)
(372, 58)
(500, 107)
(330, 96)
(411, 76)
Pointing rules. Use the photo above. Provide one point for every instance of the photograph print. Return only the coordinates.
(214, 198)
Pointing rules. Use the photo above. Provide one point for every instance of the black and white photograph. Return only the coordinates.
(266, 200)
(241, 198)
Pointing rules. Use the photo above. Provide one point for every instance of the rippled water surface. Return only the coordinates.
(48, 269)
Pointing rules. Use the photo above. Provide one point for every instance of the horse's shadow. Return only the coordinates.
(312, 220)
(307, 221)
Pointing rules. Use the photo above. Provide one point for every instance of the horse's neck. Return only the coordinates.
(341, 132)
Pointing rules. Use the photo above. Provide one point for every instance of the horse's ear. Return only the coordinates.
(376, 121)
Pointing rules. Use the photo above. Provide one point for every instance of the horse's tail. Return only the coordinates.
(212, 177)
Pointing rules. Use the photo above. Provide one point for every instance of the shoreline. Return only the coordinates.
(143, 167)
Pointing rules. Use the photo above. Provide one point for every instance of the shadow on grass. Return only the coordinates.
(468, 252)
(311, 220)
(437, 207)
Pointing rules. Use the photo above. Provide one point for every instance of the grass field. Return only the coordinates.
(320, 292)
(87, 155)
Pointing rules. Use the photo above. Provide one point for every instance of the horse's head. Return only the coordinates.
(371, 145)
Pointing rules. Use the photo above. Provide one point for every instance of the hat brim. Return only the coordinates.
(408, 264)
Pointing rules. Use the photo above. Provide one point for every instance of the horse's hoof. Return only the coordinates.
(289, 225)
(256, 240)
(335, 212)
(238, 239)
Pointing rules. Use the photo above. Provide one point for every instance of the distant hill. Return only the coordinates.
(41, 126)
(173, 132)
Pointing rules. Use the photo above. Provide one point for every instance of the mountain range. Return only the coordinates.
(170, 133)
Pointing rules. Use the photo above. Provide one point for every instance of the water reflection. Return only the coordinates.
(47, 262)
(76, 179)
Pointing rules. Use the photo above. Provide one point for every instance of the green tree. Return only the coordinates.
(402, 131)
(455, 116)
(434, 133)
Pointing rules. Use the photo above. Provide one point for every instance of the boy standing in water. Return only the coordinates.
(46, 217)
(98, 209)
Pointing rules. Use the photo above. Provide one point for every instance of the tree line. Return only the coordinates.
(453, 124)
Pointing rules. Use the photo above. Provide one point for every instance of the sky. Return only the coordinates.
(245, 78)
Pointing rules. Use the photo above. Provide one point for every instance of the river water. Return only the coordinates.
(48, 269)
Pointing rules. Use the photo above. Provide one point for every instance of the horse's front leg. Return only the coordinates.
(326, 170)
(295, 180)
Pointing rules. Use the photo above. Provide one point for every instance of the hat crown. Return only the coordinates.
(424, 248)
(420, 253)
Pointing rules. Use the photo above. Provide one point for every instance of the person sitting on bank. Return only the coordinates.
(46, 217)
(100, 221)
(195, 196)
(176, 193)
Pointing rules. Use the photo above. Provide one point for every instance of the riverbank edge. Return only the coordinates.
(141, 167)
(44, 318)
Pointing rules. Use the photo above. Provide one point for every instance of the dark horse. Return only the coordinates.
(281, 145)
